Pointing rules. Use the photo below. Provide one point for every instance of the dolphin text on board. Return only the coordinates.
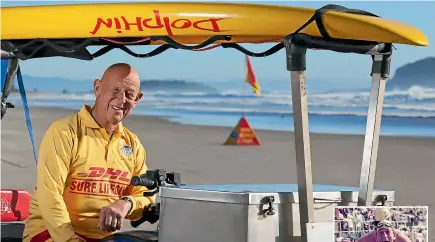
(122, 24)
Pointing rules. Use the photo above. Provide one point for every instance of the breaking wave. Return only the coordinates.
(417, 101)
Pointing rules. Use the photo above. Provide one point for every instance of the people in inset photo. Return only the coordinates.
(384, 232)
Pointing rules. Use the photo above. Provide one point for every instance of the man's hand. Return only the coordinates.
(112, 216)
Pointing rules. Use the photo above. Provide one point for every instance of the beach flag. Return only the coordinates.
(242, 134)
(250, 77)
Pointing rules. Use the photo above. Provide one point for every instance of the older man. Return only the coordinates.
(384, 232)
(85, 164)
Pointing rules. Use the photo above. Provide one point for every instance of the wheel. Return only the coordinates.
(12, 232)
(133, 236)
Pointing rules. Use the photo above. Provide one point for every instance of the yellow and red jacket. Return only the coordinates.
(80, 170)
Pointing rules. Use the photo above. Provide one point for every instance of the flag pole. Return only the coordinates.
(244, 93)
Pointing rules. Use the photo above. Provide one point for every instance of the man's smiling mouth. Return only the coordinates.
(116, 108)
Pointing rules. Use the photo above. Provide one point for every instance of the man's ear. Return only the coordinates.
(97, 87)
(139, 96)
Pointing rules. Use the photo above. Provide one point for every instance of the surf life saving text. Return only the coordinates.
(158, 22)
(101, 182)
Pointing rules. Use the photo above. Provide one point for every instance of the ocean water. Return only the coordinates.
(406, 112)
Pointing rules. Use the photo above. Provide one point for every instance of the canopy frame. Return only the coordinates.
(296, 48)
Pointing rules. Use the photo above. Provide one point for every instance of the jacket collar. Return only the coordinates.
(89, 121)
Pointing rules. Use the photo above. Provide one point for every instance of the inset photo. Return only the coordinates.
(381, 224)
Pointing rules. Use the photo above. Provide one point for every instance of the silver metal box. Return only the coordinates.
(234, 213)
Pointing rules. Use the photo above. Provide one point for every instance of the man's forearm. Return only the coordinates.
(55, 215)
(52, 171)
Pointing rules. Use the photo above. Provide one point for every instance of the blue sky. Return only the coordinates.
(223, 65)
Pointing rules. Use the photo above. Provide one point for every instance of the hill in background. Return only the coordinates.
(65, 85)
(421, 72)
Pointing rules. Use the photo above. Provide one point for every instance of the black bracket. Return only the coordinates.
(270, 210)
(380, 199)
(4, 106)
(383, 65)
(295, 54)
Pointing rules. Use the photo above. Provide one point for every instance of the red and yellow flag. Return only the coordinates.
(250, 77)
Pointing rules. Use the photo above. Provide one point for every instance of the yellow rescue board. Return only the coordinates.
(192, 23)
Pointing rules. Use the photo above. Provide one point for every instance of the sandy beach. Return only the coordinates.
(405, 164)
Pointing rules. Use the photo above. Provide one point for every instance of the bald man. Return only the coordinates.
(384, 232)
(85, 164)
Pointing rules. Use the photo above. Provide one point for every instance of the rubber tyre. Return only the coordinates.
(12, 232)
(133, 236)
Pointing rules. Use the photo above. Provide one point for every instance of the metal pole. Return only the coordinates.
(296, 63)
(380, 72)
(10, 75)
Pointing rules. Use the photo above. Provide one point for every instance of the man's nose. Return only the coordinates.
(121, 96)
(384, 237)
